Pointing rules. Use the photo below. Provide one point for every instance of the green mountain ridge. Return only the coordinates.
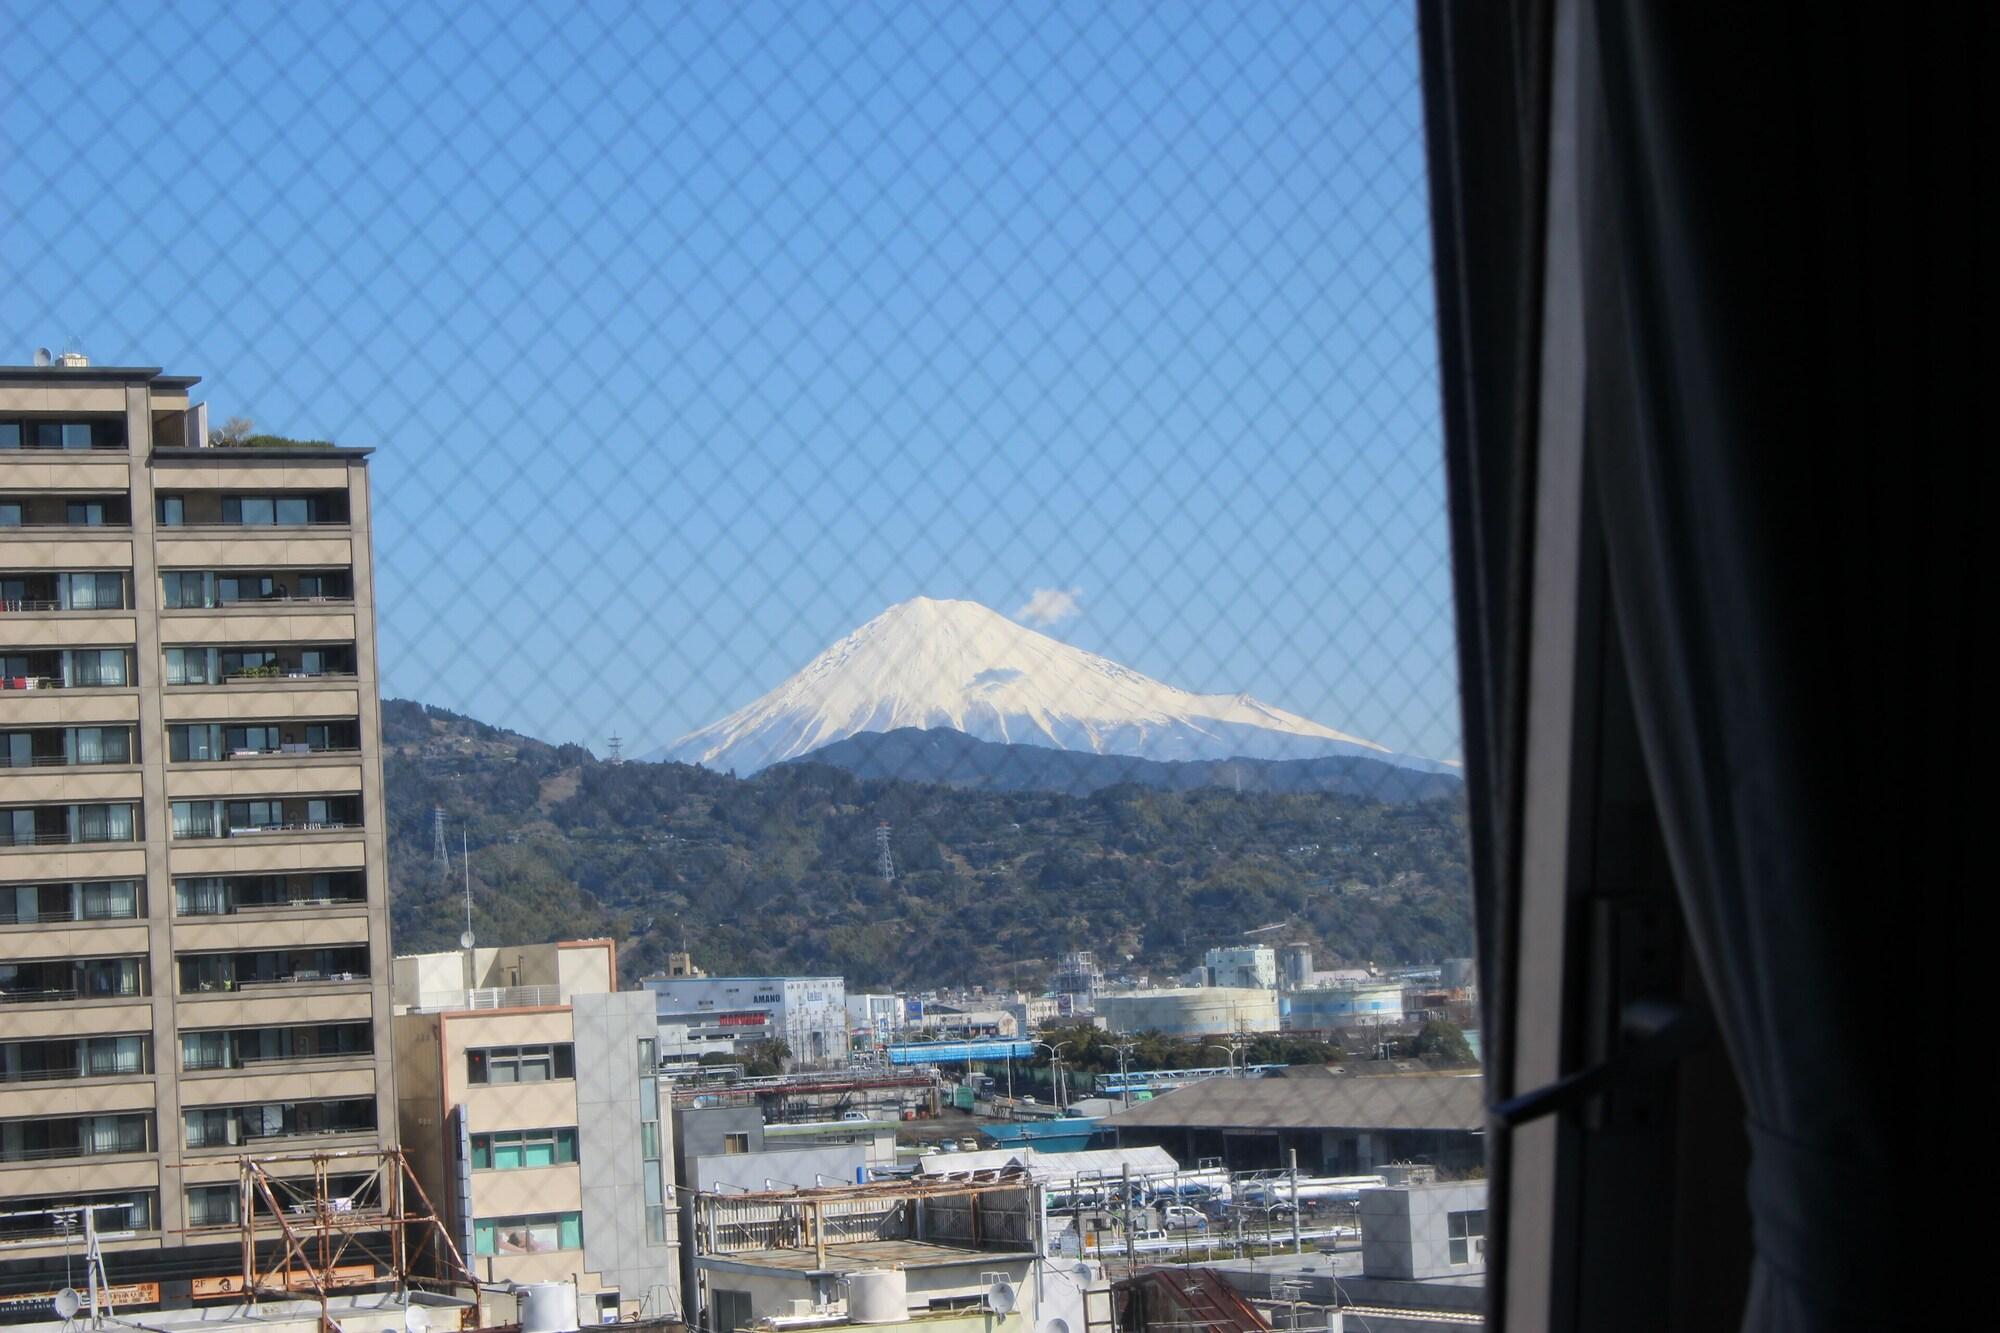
(777, 873)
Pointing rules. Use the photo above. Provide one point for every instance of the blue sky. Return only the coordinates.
(690, 337)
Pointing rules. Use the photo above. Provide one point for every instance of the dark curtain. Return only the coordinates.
(1781, 261)
(1787, 255)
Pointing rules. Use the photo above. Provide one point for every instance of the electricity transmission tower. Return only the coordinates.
(617, 755)
(438, 848)
(885, 862)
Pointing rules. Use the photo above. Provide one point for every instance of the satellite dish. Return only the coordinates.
(416, 1319)
(1055, 1325)
(67, 1303)
(45, 358)
(1000, 1296)
(465, 939)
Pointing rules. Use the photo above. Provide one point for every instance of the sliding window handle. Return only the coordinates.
(1653, 1034)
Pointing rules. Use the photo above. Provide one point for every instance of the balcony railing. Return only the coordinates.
(81, 1149)
(121, 525)
(64, 995)
(202, 1064)
(29, 604)
(280, 673)
(63, 1073)
(490, 997)
(56, 683)
(230, 986)
(59, 761)
(300, 826)
(58, 840)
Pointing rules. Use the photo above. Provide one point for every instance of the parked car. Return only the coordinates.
(1180, 1217)
(854, 1115)
(947, 1145)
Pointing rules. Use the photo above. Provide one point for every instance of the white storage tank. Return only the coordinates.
(547, 1307)
(875, 1296)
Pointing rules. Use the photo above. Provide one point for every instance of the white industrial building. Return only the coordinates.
(699, 1015)
(1190, 1011)
(1321, 1008)
(874, 1018)
(1243, 966)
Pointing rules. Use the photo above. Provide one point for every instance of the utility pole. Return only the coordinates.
(1124, 1049)
(1298, 1244)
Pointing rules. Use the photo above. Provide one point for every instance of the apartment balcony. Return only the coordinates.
(67, 825)
(278, 662)
(235, 1126)
(67, 980)
(229, 973)
(75, 434)
(256, 1048)
(199, 590)
(69, 1138)
(207, 819)
(236, 511)
(70, 903)
(81, 513)
(68, 747)
(220, 742)
(64, 591)
(260, 894)
(65, 1059)
(31, 1223)
(67, 669)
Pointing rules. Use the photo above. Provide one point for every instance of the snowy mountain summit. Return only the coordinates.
(926, 663)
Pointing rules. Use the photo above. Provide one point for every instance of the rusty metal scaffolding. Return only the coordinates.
(353, 1218)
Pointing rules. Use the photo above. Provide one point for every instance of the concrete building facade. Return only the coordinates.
(702, 1014)
(193, 895)
(530, 1107)
(1421, 1232)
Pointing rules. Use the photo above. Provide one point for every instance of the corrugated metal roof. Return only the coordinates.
(1417, 1101)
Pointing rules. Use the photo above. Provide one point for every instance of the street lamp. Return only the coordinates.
(1055, 1068)
(1229, 1051)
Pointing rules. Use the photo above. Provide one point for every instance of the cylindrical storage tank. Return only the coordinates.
(875, 1296)
(547, 1307)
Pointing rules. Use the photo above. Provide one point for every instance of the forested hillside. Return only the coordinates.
(778, 872)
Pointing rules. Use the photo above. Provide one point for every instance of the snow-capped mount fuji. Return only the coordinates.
(928, 664)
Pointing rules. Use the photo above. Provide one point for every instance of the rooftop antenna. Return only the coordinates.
(885, 862)
(617, 751)
(438, 848)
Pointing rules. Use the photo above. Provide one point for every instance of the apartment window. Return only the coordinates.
(103, 823)
(103, 745)
(71, 1057)
(84, 514)
(91, 591)
(515, 1149)
(184, 589)
(543, 1233)
(10, 435)
(1467, 1236)
(88, 667)
(54, 1138)
(649, 1056)
(10, 510)
(735, 1143)
(172, 511)
(133, 1211)
(107, 900)
(192, 666)
(212, 1205)
(520, 1064)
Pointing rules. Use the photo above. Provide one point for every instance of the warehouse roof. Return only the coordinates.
(1414, 1101)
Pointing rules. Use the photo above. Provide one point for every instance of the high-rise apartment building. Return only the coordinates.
(193, 891)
